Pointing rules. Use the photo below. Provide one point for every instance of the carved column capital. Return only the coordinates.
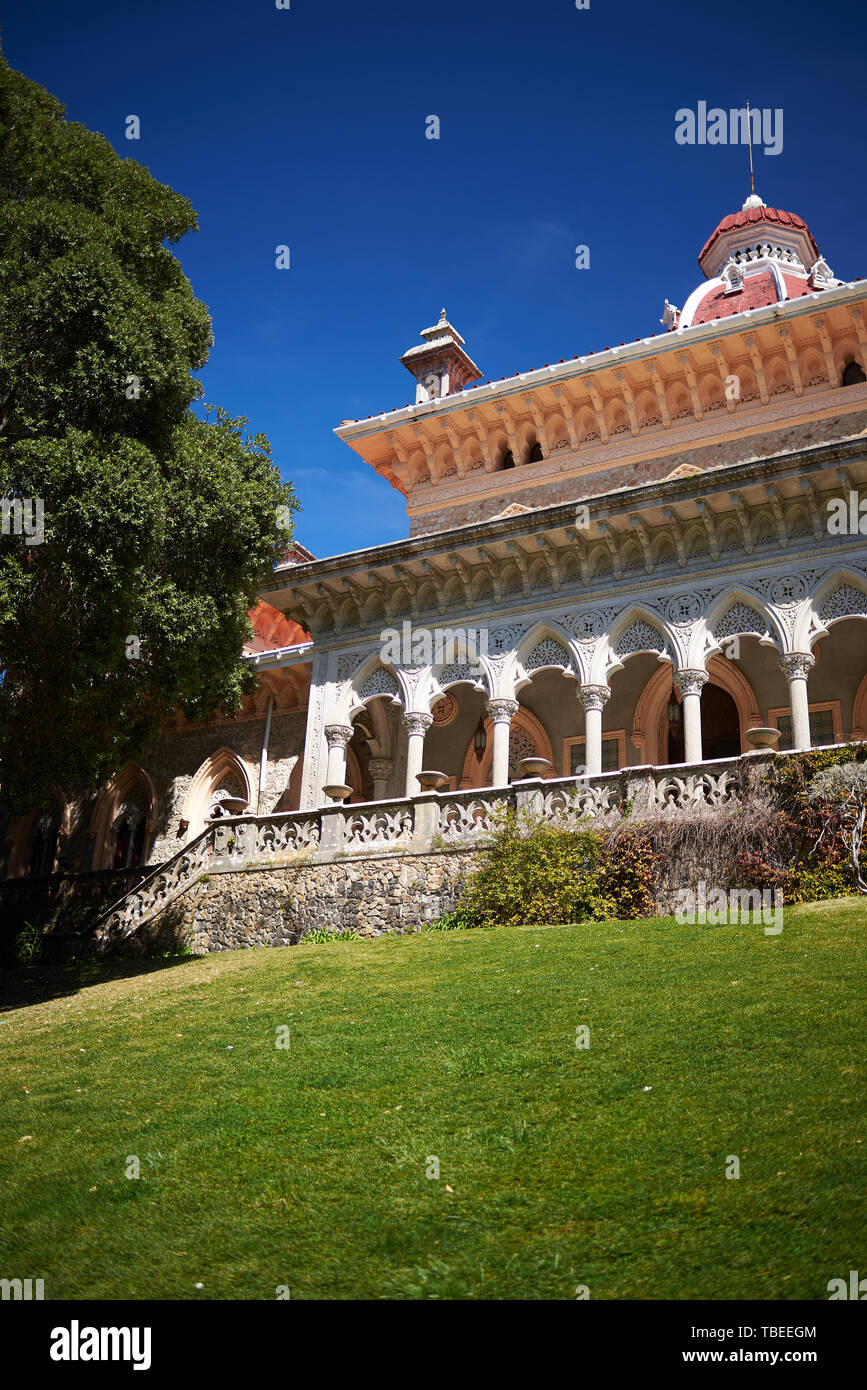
(690, 682)
(594, 696)
(338, 735)
(797, 665)
(416, 723)
(503, 711)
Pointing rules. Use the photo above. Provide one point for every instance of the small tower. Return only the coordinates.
(439, 364)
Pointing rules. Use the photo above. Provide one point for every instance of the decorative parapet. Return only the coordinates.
(425, 823)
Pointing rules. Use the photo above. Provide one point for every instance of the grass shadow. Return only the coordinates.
(38, 984)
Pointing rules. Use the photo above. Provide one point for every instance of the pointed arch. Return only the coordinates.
(739, 612)
(373, 679)
(129, 791)
(546, 645)
(224, 771)
(637, 629)
(653, 699)
(54, 821)
(841, 594)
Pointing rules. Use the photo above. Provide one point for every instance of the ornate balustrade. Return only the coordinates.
(432, 820)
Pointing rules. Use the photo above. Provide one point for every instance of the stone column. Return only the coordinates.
(593, 698)
(502, 712)
(796, 666)
(690, 683)
(380, 771)
(416, 726)
(337, 735)
(313, 760)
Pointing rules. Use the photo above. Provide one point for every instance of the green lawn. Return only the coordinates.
(306, 1166)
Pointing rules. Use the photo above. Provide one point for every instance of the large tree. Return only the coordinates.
(158, 523)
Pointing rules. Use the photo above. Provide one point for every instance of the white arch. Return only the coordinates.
(704, 643)
(550, 629)
(362, 688)
(811, 626)
(605, 658)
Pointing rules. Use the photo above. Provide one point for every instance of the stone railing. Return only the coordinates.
(420, 824)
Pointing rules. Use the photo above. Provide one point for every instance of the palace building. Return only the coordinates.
(641, 535)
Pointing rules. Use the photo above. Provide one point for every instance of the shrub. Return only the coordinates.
(320, 935)
(536, 872)
(28, 944)
(626, 872)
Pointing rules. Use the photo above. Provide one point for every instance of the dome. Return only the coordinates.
(753, 258)
(754, 221)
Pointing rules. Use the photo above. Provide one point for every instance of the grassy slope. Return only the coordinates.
(306, 1166)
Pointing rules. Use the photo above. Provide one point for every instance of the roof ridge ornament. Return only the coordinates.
(670, 315)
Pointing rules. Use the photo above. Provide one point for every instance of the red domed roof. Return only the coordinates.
(749, 216)
(757, 293)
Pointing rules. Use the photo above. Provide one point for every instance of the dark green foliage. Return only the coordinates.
(534, 872)
(28, 944)
(157, 524)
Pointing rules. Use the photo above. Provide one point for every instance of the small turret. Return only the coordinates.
(439, 364)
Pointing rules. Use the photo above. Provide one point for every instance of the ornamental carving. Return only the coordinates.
(338, 735)
(585, 627)
(521, 745)
(739, 619)
(379, 682)
(502, 711)
(690, 682)
(797, 665)
(444, 711)
(594, 696)
(461, 671)
(845, 602)
(416, 723)
(379, 827)
(503, 640)
(640, 637)
(788, 588)
(683, 609)
(548, 652)
(347, 665)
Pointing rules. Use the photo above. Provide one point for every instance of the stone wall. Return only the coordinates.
(274, 907)
(177, 755)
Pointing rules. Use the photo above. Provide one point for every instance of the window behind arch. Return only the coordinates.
(853, 373)
(508, 459)
(536, 455)
(129, 843)
(43, 843)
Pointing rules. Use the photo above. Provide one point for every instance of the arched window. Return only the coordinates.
(509, 459)
(128, 834)
(43, 843)
(853, 372)
(536, 455)
(223, 786)
(123, 820)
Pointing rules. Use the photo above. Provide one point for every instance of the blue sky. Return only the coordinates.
(306, 127)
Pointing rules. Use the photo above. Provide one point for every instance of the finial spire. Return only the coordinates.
(750, 139)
